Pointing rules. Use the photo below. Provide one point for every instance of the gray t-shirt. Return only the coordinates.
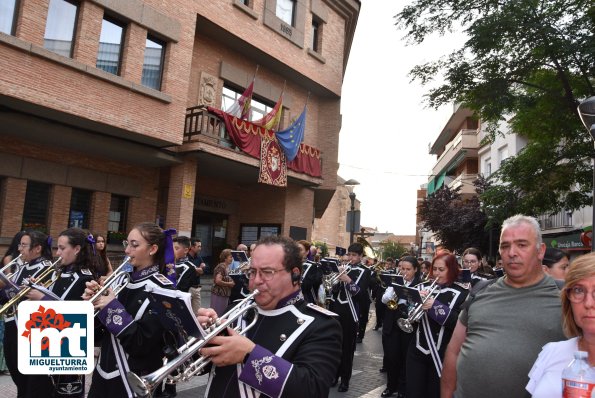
(506, 329)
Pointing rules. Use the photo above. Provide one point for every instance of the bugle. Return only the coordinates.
(120, 275)
(178, 369)
(39, 279)
(406, 324)
(329, 281)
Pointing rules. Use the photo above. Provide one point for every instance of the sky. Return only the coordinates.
(387, 128)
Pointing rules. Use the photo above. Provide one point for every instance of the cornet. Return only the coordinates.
(119, 276)
(39, 280)
(178, 369)
(416, 313)
(330, 281)
(10, 264)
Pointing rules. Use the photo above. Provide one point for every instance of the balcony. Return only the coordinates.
(562, 219)
(465, 182)
(206, 135)
(464, 145)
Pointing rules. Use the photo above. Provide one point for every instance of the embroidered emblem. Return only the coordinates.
(257, 363)
(162, 279)
(270, 372)
(295, 299)
(113, 315)
(283, 337)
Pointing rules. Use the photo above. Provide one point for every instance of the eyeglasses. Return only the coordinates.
(133, 244)
(24, 245)
(469, 261)
(577, 294)
(265, 274)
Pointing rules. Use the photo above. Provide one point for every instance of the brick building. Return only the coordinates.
(96, 95)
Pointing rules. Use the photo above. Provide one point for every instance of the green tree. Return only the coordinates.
(322, 246)
(528, 63)
(392, 249)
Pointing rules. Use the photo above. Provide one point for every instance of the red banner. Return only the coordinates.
(273, 165)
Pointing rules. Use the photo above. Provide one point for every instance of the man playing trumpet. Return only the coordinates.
(294, 348)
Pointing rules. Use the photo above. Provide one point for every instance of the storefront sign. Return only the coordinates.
(568, 241)
(215, 205)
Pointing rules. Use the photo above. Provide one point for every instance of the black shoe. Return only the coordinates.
(359, 340)
(382, 370)
(343, 387)
(335, 382)
(387, 393)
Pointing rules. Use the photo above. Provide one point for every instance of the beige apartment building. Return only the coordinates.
(105, 118)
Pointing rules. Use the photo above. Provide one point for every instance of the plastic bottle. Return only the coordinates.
(578, 378)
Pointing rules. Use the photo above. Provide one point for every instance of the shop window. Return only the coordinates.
(80, 205)
(8, 16)
(116, 221)
(35, 214)
(153, 63)
(250, 233)
(60, 27)
(110, 46)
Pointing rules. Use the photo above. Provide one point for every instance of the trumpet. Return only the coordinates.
(39, 280)
(112, 280)
(10, 264)
(178, 369)
(392, 303)
(241, 269)
(406, 324)
(330, 281)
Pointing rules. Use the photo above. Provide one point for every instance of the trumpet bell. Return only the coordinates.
(138, 385)
(405, 325)
(392, 304)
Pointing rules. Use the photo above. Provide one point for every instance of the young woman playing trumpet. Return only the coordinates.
(131, 336)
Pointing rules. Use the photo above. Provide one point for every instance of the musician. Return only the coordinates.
(185, 270)
(434, 330)
(105, 266)
(345, 302)
(36, 253)
(131, 336)
(311, 274)
(239, 290)
(378, 289)
(294, 348)
(395, 342)
(472, 261)
(78, 266)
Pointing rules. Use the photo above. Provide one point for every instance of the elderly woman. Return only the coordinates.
(578, 322)
(222, 283)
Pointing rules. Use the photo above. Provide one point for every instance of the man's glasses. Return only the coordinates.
(577, 294)
(265, 274)
(24, 245)
(470, 262)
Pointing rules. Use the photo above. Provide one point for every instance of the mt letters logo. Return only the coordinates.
(55, 337)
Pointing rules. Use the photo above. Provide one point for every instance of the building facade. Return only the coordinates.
(105, 121)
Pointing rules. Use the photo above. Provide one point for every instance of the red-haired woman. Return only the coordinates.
(434, 330)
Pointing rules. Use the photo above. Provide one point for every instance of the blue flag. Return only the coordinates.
(291, 138)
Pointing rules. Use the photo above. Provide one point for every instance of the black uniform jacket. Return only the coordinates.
(442, 317)
(311, 281)
(131, 336)
(186, 275)
(347, 297)
(402, 311)
(298, 348)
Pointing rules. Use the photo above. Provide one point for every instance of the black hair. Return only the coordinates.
(154, 235)
(85, 257)
(38, 238)
(291, 251)
(473, 251)
(13, 249)
(356, 248)
(183, 241)
(552, 256)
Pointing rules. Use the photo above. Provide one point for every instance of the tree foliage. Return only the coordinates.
(392, 249)
(528, 63)
(457, 222)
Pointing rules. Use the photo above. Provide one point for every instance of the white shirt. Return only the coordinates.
(545, 377)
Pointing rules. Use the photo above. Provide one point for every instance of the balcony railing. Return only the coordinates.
(562, 219)
(465, 182)
(465, 140)
(199, 121)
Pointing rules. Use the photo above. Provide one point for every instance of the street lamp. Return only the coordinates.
(350, 184)
(586, 111)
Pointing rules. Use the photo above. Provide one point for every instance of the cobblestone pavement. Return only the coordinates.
(366, 381)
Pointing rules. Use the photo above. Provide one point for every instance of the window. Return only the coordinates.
(116, 219)
(7, 16)
(153, 64)
(250, 233)
(487, 167)
(257, 109)
(316, 30)
(80, 205)
(503, 154)
(60, 26)
(35, 214)
(286, 11)
(110, 46)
